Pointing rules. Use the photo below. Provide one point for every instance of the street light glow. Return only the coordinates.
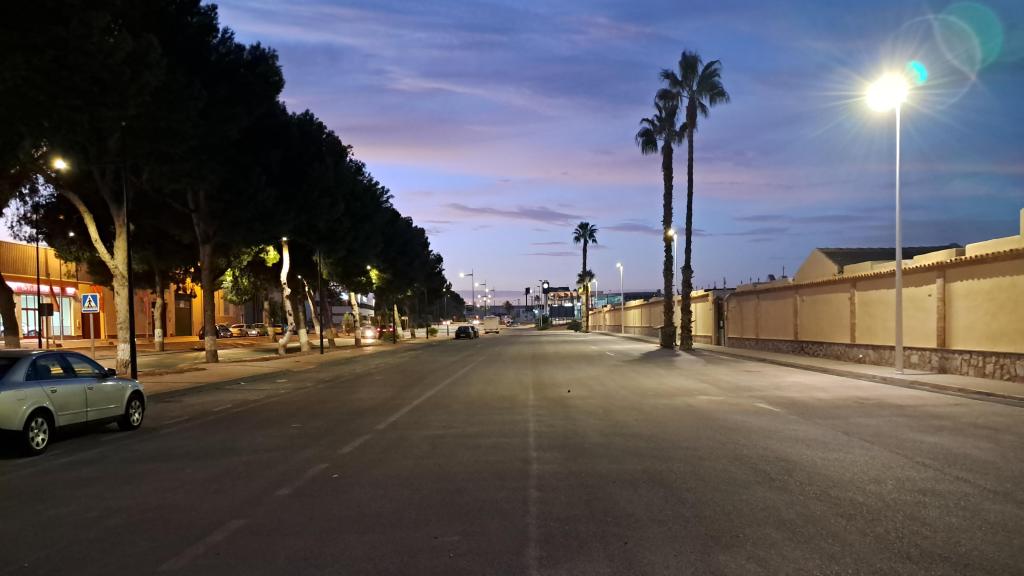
(618, 265)
(60, 164)
(888, 92)
(671, 232)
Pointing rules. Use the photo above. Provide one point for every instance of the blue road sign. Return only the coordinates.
(90, 303)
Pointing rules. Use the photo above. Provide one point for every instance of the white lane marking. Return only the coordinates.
(197, 549)
(532, 493)
(760, 405)
(391, 419)
(354, 444)
(610, 353)
(219, 408)
(183, 418)
(302, 480)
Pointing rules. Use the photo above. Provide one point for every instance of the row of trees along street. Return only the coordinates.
(156, 104)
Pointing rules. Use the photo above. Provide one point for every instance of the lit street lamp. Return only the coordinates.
(472, 287)
(675, 244)
(889, 93)
(622, 300)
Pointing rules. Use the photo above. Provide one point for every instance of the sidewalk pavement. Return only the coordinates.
(221, 372)
(950, 383)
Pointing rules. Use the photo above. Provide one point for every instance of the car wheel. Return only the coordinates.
(36, 433)
(134, 412)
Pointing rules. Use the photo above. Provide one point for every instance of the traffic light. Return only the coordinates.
(545, 286)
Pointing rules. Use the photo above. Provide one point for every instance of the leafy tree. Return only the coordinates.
(661, 133)
(585, 233)
(700, 87)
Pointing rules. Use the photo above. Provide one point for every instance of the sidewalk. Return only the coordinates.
(882, 374)
(221, 372)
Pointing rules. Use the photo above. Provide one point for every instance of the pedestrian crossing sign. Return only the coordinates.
(90, 303)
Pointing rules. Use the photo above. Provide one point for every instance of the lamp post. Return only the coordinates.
(889, 93)
(472, 286)
(622, 300)
(675, 244)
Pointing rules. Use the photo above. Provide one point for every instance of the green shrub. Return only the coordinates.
(575, 325)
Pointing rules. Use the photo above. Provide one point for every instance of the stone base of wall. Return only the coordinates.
(995, 365)
(707, 339)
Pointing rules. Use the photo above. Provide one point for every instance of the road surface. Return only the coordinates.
(531, 453)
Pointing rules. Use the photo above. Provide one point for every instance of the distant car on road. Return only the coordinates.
(368, 333)
(44, 391)
(464, 332)
(385, 331)
(223, 331)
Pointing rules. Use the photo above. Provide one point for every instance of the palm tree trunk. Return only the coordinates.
(668, 330)
(686, 314)
(586, 319)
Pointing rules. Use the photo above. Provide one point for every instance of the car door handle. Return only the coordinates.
(53, 390)
(91, 387)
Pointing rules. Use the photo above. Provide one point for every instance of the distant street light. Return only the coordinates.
(622, 300)
(889, 93)
(472, 287)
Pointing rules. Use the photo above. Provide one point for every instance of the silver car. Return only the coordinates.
(41, 391)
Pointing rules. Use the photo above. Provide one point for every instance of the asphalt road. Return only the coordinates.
(531, 453)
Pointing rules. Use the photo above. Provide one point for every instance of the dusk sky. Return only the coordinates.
(498, 126)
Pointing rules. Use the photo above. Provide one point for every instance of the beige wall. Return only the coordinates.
(775, 315)
(876, 310)
(825, 313)
(982, 305)
(985, 306)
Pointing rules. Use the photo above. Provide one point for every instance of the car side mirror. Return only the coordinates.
(109, 373)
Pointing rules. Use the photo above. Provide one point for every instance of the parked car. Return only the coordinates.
(43, 391)
(223, 331)
(238, 330)
(464, 332)
(385, 331)
(260, 328)
(278, 330)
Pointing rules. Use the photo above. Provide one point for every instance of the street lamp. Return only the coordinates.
(622, 300)
(889, 93)
(675, 244)
(472, 286)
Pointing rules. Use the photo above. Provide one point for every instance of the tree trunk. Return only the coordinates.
(668, 331)
(353, 301)
(586, 286)
(158, 313)
(312, 308)
(286, 298)
(398, 322)
(412, 321)
(12, 331)
(686, 314)
(328, 315)
(117, 263)
(266, 316)
(300, 323)
(209, 304)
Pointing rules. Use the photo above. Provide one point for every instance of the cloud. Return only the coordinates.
(637, 227)
(535, 213)
(762, 231)
(547, 243)
(554, 254)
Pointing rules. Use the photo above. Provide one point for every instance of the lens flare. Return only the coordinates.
(917, 72)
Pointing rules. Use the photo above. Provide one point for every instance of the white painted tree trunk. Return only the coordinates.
(12, 331)
(353, 301)
(300, 319)
(286, 297)
(266, 317)
(398, 323)
(158, 316)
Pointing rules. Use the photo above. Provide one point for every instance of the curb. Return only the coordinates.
(876, 378)
(274, 373)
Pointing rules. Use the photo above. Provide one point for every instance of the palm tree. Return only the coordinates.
(583, 280)
(700, 86)
(585, 233)
(661, 132)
